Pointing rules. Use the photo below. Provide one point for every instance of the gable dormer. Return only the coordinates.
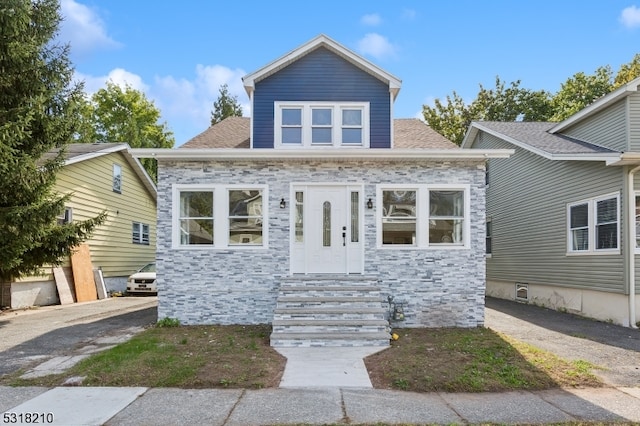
(321, 95)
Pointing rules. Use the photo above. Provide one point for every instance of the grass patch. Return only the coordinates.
(182, 356)
(471, 360)
(422, 360)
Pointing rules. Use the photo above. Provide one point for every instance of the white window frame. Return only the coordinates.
(307, 124)
(140, 232)
(422, 216)
(221, 216)
(592, 206)
(66, 216)
(117, 178)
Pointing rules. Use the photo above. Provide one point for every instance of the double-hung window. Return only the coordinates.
(321, 124)
(140, 233)
(219, 216)
(593, 226)
(424, 216)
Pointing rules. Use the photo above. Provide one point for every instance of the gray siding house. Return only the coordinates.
(562, 212)
(321, 214)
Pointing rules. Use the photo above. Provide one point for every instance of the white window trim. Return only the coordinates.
(422, 216)
(140, 227)
(220, 215)
(117, 177)
(336, 124)
(66, 216)
(592, 210)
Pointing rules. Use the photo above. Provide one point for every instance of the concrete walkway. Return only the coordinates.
(329, 405)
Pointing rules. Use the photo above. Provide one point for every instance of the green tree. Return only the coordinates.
(126, 115)
(581, 90)
(502, 103)
(225, 106)
(38, 113)
(627, 72)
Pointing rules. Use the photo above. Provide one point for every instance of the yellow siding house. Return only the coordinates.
(101, 177)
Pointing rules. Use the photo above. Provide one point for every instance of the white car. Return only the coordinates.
(143, 281)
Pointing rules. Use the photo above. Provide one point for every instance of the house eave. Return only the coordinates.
(235, 154)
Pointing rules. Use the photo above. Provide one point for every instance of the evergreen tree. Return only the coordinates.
(225, 106)
(38, 114)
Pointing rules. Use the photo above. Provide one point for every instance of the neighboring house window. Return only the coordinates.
(219, 216)
(594, 225)
(318, 124)
(489, 237)
(65, 217)
(117, 178)
(424, 216)
(140, 233)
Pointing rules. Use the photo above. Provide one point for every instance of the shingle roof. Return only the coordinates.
(233, 132)
(413, 133)
(536, 134)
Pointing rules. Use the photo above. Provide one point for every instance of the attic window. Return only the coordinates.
(321, 124)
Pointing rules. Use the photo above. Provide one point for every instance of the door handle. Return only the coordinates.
(344, 235)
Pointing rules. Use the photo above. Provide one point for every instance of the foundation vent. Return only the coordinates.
(522, 291)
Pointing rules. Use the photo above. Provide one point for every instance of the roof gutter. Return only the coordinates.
(231, 154)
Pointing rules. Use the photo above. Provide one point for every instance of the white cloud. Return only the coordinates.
(630, 17)
(83, 29)
(118, 76)
(372, 19)
(376, 45)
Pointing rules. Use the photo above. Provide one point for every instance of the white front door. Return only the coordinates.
(329, 239)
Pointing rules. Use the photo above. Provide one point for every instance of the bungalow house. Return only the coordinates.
(321, 211)
(562, 213)
(100, 177)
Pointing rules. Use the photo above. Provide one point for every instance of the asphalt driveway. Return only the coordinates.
(33, 336)
(614, 348)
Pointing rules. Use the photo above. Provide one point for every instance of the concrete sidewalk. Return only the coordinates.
(142, 406)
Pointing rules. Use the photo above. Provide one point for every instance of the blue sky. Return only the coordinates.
(179, 53)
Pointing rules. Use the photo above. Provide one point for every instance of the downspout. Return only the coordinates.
(631, 245)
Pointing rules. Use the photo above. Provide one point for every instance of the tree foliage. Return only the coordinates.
(38, 113)
(225, 106)
(503, 103)
(116, 114)
(452, 117)
(581, 90)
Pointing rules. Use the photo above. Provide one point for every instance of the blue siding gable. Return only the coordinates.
(322, 75)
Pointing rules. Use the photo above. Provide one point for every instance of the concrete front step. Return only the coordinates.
(288, 340)
(330, 326)
(330, 314)
(329, 310)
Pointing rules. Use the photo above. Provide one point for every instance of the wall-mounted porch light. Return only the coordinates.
(369, 204)
(283, 203)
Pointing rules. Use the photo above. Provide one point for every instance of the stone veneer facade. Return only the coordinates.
(440, 287)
